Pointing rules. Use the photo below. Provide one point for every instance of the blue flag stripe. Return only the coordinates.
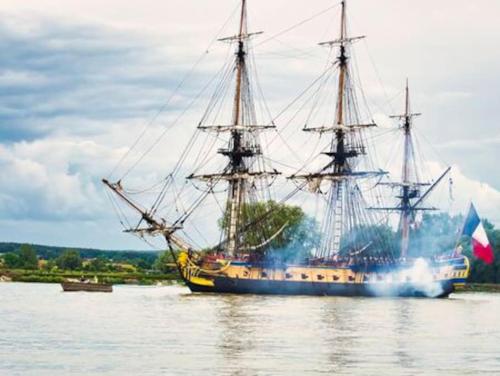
(471, 222)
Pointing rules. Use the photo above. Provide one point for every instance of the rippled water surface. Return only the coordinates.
(168, 331)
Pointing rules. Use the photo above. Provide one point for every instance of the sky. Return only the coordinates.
(82, 79)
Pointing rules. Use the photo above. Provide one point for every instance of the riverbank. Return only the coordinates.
(479, 287)
(115, 278)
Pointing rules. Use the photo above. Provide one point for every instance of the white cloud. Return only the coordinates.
(471, 145)
(37, 183)
(20, 78)
(484, 197)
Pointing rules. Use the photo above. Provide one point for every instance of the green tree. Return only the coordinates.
(27, 257)
(300, 240)
(164, 263)
(69, 260)
(51, 264)
(373, 240)
(98, 264)
(262, 220)
(12, 260)
(144, 264)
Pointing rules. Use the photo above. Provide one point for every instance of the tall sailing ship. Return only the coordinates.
(352, 258)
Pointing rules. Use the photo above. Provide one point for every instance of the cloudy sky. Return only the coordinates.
(82, 79)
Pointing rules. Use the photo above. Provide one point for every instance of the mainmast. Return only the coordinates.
(406, 194)
(344, 206)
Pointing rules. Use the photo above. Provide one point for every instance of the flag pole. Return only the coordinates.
(460, 234)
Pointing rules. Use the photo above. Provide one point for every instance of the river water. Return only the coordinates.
(168, 331)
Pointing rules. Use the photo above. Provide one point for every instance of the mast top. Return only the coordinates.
(408, 115)
(243, 34)
(344, 39)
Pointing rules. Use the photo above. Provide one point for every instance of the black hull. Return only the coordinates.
(225, 285)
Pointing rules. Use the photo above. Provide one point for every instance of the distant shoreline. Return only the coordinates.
(115, 278)
(479, 287)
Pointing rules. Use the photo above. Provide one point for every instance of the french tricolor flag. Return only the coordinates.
(473, 227)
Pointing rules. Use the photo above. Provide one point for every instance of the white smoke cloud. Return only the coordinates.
(417, 278)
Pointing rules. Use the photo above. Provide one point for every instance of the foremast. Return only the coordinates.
(237, 151)
(243, 149)
(345, 206)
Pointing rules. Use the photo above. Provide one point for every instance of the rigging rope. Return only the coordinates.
(314, 16)
(173, 94)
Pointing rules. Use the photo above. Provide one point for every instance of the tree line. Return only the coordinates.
(29, 257)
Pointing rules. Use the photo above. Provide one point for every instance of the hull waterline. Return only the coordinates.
(224, 285)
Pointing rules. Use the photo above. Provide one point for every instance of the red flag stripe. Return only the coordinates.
(482, 252)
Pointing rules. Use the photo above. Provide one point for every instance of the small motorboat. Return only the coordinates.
(84, 284)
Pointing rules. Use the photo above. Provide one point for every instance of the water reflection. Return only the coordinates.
(337, 336)
(236, 328)
(404, 320)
